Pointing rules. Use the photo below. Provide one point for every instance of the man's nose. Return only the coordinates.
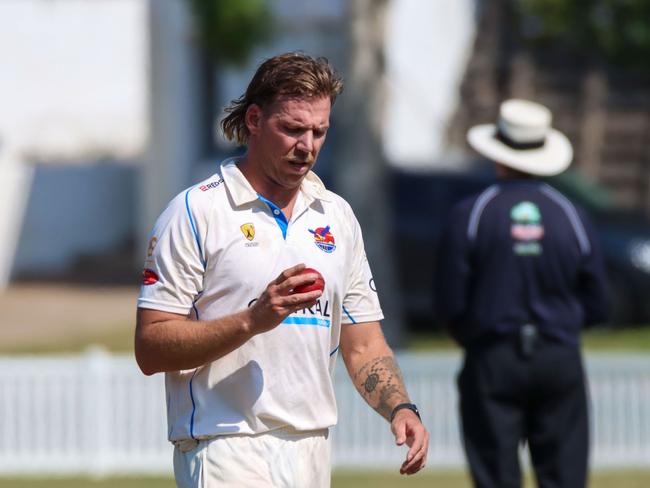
(306, 142)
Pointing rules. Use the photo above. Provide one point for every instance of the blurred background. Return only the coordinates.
(109, 109)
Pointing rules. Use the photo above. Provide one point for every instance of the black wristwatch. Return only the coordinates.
(410, 406)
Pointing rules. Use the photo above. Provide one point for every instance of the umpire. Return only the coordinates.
(520, 273)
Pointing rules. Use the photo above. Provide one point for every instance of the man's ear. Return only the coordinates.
(253, 118)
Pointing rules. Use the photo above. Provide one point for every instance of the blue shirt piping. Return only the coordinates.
(349, 316)
(193, 405)
(278, 215)
(196, 234)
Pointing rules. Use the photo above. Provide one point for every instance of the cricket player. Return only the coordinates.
(247, 355)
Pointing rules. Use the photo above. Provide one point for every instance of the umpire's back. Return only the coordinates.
(520, 252)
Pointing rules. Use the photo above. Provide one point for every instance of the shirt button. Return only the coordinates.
(276, 212)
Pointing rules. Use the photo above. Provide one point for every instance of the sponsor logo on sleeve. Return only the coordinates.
(149, 261)
(212, 184)
(324, 239)
(152, 244)
(149, 277)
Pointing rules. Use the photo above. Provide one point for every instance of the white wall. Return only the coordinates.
(427, 49)
(74, 77)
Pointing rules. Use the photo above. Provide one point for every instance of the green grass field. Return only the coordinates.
(120, 339)
(443, 479)
(621, 339)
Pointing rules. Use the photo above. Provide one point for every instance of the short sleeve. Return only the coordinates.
(360, 303)
(174, 267)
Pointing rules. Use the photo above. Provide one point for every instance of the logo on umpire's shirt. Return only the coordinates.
(526, 229)
(324, 239)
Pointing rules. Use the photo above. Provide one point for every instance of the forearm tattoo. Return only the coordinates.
(381, 384)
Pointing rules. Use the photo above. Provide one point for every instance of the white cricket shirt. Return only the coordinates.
(212, 252)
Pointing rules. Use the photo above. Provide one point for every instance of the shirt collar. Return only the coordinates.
(242, 192)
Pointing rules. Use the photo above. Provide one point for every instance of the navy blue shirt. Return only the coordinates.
(520, 252)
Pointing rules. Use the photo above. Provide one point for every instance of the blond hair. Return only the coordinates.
(290, 74)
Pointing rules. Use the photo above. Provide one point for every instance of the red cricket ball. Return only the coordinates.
(319, 284)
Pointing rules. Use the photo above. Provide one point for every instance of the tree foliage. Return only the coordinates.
(615, 30)
(229, 29)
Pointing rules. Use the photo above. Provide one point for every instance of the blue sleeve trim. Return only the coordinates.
(196, 234)
(572, 215)
(477, 210)
(349, 316)
(193, 405)
(334, 351)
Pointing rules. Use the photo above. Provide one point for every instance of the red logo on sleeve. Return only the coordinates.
(149, 277)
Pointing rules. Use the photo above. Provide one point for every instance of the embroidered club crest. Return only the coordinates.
(248, 230)
(324, 239)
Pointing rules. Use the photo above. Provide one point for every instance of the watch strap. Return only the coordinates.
(410, 406)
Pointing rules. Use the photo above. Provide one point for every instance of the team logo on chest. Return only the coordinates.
(248, 230)
(324, 239)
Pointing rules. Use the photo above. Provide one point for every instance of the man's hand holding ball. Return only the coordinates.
(317, 284)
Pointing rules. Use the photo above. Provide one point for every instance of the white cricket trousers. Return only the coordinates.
(282, 458)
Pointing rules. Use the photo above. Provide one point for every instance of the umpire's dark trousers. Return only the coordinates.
(506, 398)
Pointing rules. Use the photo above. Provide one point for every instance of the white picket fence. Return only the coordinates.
(97, 414)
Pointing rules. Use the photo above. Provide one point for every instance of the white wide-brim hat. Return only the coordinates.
(523, 139)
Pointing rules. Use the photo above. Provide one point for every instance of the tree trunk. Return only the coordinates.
(361, 168)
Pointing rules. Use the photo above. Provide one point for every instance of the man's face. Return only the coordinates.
(286, 138)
